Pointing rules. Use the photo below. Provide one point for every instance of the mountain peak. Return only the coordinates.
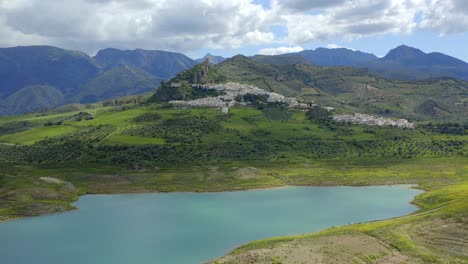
(162, 64)
(213, 58)
(404, 62)
(404, 52)
(337, 57)
(331, 49)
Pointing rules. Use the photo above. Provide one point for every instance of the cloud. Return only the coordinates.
(163, 24)
(202, 24)
(352, 20)
(280, 50)
(335, 46)
(446, 17)
(305, 5)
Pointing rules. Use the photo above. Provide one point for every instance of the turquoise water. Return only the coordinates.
(189, 227)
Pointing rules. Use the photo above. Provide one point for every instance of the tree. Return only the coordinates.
(317, 113)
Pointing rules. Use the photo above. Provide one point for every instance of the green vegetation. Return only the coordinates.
(277, 112)
(31, 136)
(351, 89)
(317, 113)
(155, 148)
(345, 88)
(200, 74)
(180, 87)
(135, 140)
(184, 91)
(131, 145)
(255, 99)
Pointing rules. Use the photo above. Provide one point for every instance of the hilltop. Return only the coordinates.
(213, 59)
(345, 88)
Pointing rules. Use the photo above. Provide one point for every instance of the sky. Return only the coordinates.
(230, 27)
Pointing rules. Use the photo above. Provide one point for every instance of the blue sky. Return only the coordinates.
(233, 27)
(455, 45)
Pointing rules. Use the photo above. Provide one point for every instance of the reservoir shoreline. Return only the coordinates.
(165, 223)
(409, 185)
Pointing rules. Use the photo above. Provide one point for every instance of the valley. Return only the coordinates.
(278, 131)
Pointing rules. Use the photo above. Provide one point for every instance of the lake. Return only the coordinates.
(184, 228)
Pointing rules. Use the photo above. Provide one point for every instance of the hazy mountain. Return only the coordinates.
(403, 62)
(162, 64)
(213, 59)
(40, 77)
(32, 98)
(406, 62)
(121, 80)
(282, 59)
(336, 57)
(44, 65)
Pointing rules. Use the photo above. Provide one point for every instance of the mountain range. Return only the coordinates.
(403, 62)
(337, 57)
(41, 77)
(161, 64)
(410, 63)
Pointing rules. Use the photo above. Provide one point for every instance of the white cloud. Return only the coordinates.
(335, 46)
(353, 19)
(199, 24)
(153, 24)
(446, 17)
(280, 50)
(305, 5)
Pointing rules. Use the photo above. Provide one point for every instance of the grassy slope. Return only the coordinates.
(23, 193)
(353, 90)
(33, 135)
(435, 234)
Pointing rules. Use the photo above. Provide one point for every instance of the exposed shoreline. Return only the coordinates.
(429, 176)
(410, 186)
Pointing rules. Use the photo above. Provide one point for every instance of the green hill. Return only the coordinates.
(345, 88)
(33, 98)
